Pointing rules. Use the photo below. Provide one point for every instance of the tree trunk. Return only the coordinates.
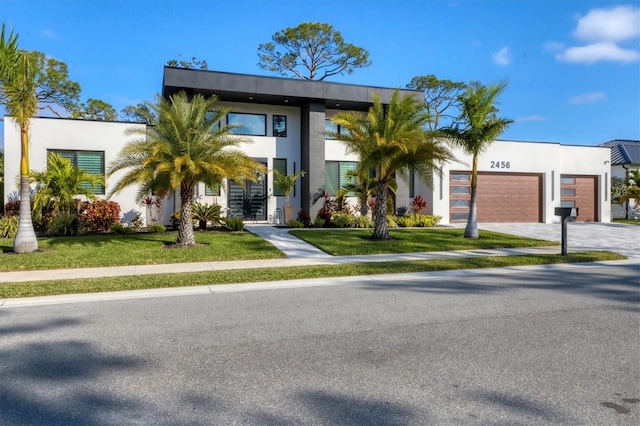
(25, 241)
(380, 227)
(185, 228)
(471, 230)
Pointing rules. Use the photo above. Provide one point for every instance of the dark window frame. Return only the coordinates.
(238, 130)
(279, 134)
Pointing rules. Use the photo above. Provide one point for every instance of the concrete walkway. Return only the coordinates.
(618, 238)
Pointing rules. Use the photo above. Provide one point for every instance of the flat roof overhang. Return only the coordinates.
(248, 88)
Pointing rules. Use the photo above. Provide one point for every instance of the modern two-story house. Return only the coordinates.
(285, 120)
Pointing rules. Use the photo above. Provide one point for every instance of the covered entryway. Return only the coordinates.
(501, 197)
(249, 203)
(581, 192)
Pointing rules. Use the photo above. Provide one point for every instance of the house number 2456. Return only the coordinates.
(500, 165)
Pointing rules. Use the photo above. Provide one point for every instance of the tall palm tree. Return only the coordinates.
(477, 127)
(186, 146)
(18, 77)
(391, 139)
(60, 183)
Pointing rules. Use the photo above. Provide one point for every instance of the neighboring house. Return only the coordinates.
(285, 120)
(625, 156)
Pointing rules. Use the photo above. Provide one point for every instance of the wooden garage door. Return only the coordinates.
(581, 192)
(502, 197)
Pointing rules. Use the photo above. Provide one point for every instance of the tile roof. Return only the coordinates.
(624, 151)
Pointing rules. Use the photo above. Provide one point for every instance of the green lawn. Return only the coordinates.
(346, 242)
(93, 285)
(134, 249)
(627, 221)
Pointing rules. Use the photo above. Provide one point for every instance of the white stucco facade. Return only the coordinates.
(549, 160)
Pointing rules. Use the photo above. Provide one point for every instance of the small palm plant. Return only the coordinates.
(286, 183)
(205, 213)
(59, 185)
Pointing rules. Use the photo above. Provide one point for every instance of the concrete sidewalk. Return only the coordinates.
(300, 253)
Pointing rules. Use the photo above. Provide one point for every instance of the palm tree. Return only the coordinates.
(18, 73)
(388, 140)
(477, 127)
(60, 183)
(364, 187)
(186, 146)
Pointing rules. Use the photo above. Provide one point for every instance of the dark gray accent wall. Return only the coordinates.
(312, 115)
(274, 90)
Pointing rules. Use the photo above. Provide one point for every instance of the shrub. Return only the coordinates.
(319, 222)
(363, 222)
(406, 221)
(401, 211)
(136, 222)
(295, 223)
(235, 224)
(304, 217)
(343, 220)
(12, 208)
(391, 221)
(99, 215)
(121, 229)
(427, 220)
(205, 213)
(157, 228)
(418, 204)
(64, 225)
(8, 226)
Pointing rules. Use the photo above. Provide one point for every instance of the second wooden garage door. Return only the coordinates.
(502, 197)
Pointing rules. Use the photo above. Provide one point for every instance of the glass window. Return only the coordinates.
(279, 164)
(90, 161)
(460, 190)
(248, 124)
(330, 126)
(459, 203)
(568, 192)
(211, 192)
(336, 176)
(567, 180)
(412, 183)
(459, 216)
(567, 203)
(280, 126)
(462, 177)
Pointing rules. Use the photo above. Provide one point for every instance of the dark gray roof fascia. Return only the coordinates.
(274, 90)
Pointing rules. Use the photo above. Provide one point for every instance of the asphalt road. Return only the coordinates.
(551, 345)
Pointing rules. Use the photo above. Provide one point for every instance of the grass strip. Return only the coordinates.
(135, 249)
(139, 282)
(349, 242)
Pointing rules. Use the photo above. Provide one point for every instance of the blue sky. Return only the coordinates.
(573, 66)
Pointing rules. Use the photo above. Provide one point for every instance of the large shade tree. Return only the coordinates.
(474, 131)
(186, 146)
(311, 51)
(391, 139)
(440, 96)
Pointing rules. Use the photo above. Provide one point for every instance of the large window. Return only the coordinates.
(280, 126)
(248, 124)
(90, 161)
(330, 126)
(336, 176)
(279, 164)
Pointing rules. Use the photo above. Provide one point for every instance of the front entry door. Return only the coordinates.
(249, 203)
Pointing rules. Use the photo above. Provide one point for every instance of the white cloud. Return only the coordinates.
(502, 57)
(615, 24)
(534, 117)
(587, 98)
(603, 51)
(48, 34)
(604, 31)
